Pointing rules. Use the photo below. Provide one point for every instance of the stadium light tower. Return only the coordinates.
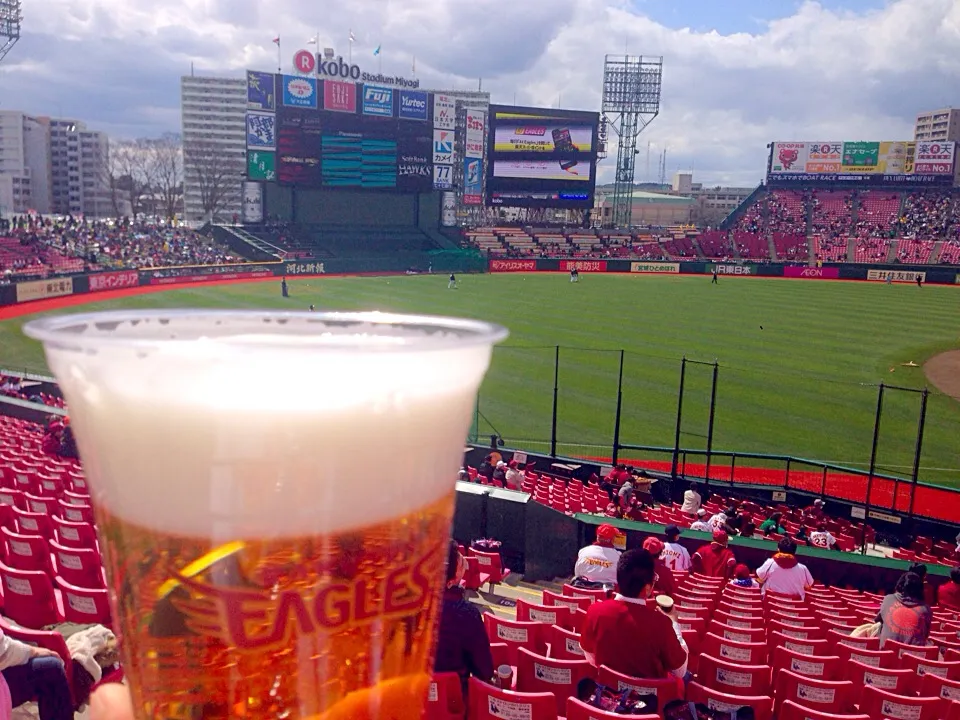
(10, 17)
(631, 100)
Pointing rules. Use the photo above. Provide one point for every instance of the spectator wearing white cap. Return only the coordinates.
(702, 522)
(500, 472)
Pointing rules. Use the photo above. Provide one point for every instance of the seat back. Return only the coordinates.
(792, 711)
(724, 702)
(921, 666)
(491, 703)
(28, 597)
(84, 605)
(873, 658)
(734, 677)
(575, 603)
(565, 644)
(946, 689)
(76, 535)
(824, 668)
(867, 643)
(78, 513)
(894, 680)
(577, 710)
(742, 635)
(823, 695)
(747, 653)
(489, 563)
(931, 652)
(596, 595)
(39, 504)
(78, 566)
(882, 705)
(666, 689)
(515, 635)
(561, 615)
(31, 523)
(536, 673)
(26, 552)
(803, 647)
(444, 698)
(13, 498)
(740, 620)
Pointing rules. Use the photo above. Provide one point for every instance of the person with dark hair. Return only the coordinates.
(692, 502)
(783, 573)
(929, 591)
(904, 616)
(949, 593)
(772, 525)
(822, 538)
(715, 559)
(462, 643)
(674, 554)
(627, 636)
(487, 467)
(68, 444)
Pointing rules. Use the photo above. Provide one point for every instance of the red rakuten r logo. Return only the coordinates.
(305, 61)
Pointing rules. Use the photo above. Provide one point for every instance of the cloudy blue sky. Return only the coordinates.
(737, 73)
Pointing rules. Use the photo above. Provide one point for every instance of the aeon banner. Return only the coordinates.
(826, 273)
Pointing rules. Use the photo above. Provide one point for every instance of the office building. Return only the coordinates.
(213, 119)
(940, 125)
(79, 169)
(24, 163)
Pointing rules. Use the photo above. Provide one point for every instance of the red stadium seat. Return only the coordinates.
(26, 552)
(485, 702)
(515, 634)
(723, 702)
(921, 666)
(75, 535)
(932, 652)
(490, 565)
(444, 698)
(896, 681)
(792, 711)
(734, 677)
(29, 599)
(31, 523)
(823, 668)
(84, 605)
(536, 674)
(882, 705)
(935, 686)
(78, 566)
(730, 651)
(873, 658)
(549, 615)
(571, 591)
(573, 602)
(565, 644)
(666, 689)
(824, 695)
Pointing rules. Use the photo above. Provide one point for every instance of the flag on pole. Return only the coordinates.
(376, 50)
(315, 40)
(414, 64)
(277, 39)
(352, 36)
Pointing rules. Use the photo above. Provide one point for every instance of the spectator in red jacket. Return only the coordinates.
(949, 594)
(715, 559)
(626, 635)
(663, 583)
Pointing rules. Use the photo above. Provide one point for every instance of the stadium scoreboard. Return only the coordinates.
(541, 158)
(337, 134)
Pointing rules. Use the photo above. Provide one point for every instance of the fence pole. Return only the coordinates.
(556, 394)
(476, 437)
(616, 421)
(873, 462)
(676, 440)
(713, 405)
(919, 448)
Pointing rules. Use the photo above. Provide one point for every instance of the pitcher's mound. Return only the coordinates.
(943, 372)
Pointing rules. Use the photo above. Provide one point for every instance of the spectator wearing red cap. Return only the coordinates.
(597, 564)
(784, 573)
(626, 635)
(715, 559)
(741, 577)
(675, 555)
(663, 583)
(514, 475)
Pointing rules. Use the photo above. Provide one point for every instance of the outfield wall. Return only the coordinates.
(937, 275)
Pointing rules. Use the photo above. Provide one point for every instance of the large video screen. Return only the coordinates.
(337, 135)
(883, 162)
(543, 158)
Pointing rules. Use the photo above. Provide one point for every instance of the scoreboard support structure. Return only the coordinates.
(631, 98)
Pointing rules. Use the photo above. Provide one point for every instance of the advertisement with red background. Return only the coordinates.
(583, 265)
(827, 273)
(114, 280)
(339, 96)
(513, 265)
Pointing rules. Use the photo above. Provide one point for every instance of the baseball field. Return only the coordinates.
(798, 362)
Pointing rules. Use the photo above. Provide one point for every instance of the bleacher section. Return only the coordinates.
(715, 244)
(751, 245)
(335, 240)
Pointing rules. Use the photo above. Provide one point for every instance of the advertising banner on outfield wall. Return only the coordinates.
(583, 265)
(114, 280)
(649, 267)
(895, 276)
(827, 273)
(888, 161)
(183, 279)
(513, 265)
(41, 289)
(732, 269)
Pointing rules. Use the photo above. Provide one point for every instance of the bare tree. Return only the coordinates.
(166, 173)
(129, 175)
(213, 171)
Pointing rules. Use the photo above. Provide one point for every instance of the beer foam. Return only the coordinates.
(268, 434)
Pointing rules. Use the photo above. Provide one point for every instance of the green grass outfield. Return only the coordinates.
(804, 385)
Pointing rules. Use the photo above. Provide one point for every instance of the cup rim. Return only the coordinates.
(436, 333)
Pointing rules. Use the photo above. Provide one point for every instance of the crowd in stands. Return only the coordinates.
(929, 215)
(36, 245)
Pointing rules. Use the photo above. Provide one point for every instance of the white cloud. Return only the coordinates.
(817, 74)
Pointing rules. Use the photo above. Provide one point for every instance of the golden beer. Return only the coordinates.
(274, 495)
